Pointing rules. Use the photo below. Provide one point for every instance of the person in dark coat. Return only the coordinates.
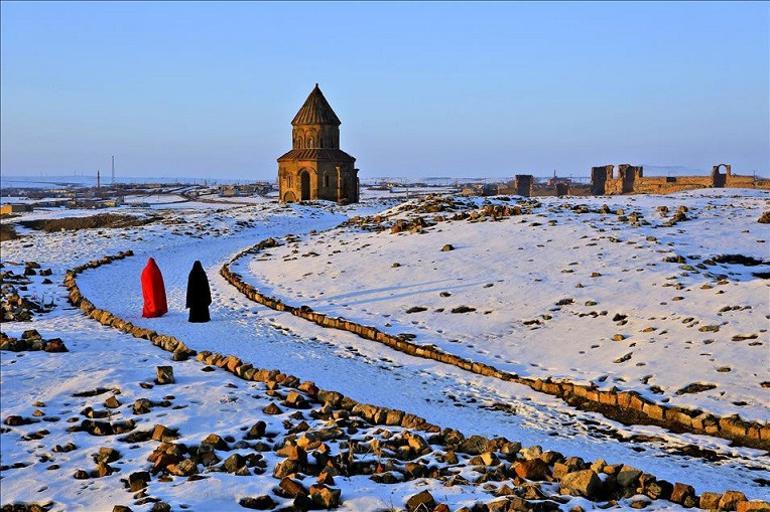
(198, 294)
(153, 291)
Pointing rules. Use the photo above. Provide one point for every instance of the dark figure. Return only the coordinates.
(198, 294)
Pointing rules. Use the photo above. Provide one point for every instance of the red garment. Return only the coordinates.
(153, 291)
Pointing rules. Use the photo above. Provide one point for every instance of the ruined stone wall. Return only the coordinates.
(668, 185)
(599, 177)
(524, 184)
(613, 186)
(561, 189)
(733, 181)
(631, 180)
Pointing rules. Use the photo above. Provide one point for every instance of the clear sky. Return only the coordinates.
(422, 89)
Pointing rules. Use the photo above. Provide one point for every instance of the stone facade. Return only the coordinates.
(316, 167)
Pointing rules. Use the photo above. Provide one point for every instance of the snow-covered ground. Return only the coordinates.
(154, 199)
(247, 199)
(580, 296)
(403, 192)
(365, 371)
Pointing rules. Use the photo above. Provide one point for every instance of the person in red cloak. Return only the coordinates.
(153, 291)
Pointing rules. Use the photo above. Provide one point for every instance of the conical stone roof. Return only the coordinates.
(316, 110)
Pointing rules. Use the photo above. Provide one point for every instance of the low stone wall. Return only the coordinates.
(658, 489)
(628, 407)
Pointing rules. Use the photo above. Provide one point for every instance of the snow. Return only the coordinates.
(154, 199)
(369, 372)
(403, 192)
(247, 199)
(515, 271)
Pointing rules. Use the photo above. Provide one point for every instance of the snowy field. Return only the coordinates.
(361, 283)
(581, 296)
(403, 192)
(154, 199)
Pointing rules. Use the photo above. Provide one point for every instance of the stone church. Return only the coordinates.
(316, 167)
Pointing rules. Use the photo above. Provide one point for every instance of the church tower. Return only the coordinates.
(316, 167)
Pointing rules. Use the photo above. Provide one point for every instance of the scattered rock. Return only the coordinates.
(215, 442)
(534, 469)
(233, 463)
(695, 387)
(684, 495)
(138, 481)
(263, 502)
(421, 502)
(142, 406)
(325, 497)
(112, 402)
(186, 467)
(584, 483)
(292, 488)
(164, 375)
(272, 409)
(257, 430)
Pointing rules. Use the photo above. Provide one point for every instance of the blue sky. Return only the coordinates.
(423, 89)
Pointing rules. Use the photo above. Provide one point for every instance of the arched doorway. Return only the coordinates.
(304, 183)
(718, 179)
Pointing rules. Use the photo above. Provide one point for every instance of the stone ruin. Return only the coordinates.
(524, 184)
(630, 179)
(621, 179)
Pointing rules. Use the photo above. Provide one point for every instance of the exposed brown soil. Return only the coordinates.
(7, 232)
(102, 220)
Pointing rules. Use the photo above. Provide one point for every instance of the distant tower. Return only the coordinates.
(113, 169)
(316, 167)
(98, 179)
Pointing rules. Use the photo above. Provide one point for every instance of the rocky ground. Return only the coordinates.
(157, 434)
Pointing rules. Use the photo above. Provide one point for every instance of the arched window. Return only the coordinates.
(326, 180)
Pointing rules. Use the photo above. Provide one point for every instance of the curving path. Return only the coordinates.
(371, 373)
